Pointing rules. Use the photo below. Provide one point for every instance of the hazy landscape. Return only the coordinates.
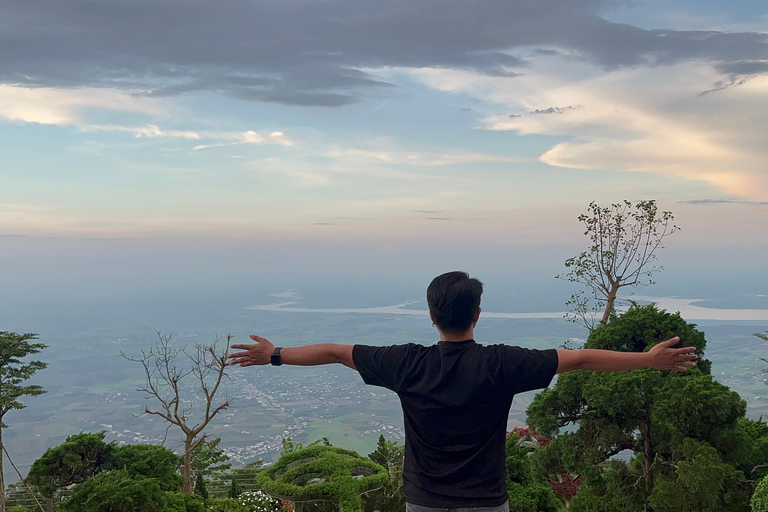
(91, 387)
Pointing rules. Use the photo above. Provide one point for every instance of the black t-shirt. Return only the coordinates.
(455, 398)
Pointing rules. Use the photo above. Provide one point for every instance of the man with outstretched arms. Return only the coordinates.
(456, 394)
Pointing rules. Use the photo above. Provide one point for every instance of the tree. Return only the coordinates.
(13, 373)
(234, 489)
(80, 457)
(166, 370)
(759, 501)
(623, 243)
(200, 489)
(684, 431)
(209, 460)
(141, 478)
(116, 491)
(150, 461)
(527, 491)
(390, 498)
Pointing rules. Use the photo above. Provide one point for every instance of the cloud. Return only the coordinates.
(312, 53)
(646, 119)
(69, 107)
(422, 159)
(723, 201)
(65, 106)
(551, 110)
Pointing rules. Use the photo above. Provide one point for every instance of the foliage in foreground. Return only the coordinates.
(390, 498)
(528, 492)
(111, 478)
(692, 447)
(759, 501)
(323, 473)
(14, 372)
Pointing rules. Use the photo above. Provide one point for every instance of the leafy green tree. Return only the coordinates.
(181, 502)
(141, 478)
(390, 498)
(701, 482)
(150, 461)
(527, 491)
(755, 465)
(14, 372)
(759, 501)
(200, 489)
(116, 491)
(665, 420)
(623, 241)
(209, 460)
(80, 457)
(234, 490)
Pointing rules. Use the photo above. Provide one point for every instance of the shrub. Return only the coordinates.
(759, 502)
(225, 505)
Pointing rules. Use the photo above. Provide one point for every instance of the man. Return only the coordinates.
(456, 394)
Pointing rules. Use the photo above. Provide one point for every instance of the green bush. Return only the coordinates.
(180, 502)
(225, 505)
(759, 502)
(150, 461)
(333, 474)
(116, 491)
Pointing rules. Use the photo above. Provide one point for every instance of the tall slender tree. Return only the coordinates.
(14, 372)
(623, 240)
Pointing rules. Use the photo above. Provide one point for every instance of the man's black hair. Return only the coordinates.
(453, 299)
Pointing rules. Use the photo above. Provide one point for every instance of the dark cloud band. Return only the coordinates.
(307, 52)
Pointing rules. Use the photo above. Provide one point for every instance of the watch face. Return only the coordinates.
(276, 359)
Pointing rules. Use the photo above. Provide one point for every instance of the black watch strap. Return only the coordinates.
(276, 359)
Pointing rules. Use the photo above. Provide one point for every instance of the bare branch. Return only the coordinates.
(166, 370)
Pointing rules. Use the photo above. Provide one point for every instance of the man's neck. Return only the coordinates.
(454, 337)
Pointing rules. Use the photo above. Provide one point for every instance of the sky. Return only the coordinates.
(190, 139)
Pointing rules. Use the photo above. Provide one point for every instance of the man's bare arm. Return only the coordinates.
(660, 357)
(260, 353)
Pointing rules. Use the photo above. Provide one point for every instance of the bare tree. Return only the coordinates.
(624, 239)
(166, 369)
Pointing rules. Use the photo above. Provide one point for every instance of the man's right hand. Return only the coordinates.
(660, 357)
(664, 357)
(259, 353)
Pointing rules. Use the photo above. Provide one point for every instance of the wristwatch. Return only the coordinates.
(276, 359)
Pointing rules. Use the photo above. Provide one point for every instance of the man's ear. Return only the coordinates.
(477, 315)
(432, 317)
